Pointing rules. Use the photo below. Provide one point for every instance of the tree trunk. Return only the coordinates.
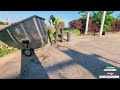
(87, 22)
(102, 22)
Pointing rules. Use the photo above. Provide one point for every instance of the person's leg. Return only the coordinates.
(60, 27)
(61, 30)
(49, 36)
(56, 35)
(50, 40)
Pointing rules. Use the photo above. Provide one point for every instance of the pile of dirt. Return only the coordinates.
(76, 24)
(81, 24)
(3, 26)
(93, 27)
(115, 26)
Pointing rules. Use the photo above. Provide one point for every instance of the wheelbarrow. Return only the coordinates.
(26, 35)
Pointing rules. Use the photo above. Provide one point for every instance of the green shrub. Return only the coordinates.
(75, 32)
(3, 23)
(5, 49)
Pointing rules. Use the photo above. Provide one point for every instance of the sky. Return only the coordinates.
(67, 16)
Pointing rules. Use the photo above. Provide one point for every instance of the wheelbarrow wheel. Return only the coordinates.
(27, 52)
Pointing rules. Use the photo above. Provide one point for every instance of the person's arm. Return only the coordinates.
(49, 22)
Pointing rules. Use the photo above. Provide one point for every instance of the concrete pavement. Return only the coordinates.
(85, 57)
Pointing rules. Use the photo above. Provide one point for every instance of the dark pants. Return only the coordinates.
(60, 28)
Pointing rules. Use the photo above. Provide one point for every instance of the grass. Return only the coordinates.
(5, 49)
(75, 32)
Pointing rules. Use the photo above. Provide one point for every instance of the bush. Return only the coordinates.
(93, 27)
(115, 26)
(5, 49)
(108, 19)
(75, 24)
(3, 23)
(94, 22)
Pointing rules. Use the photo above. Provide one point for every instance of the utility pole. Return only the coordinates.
(102, 22)
(87, 22)
(7, 17)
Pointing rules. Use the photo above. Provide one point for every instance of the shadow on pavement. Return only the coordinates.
(92, 63)
(31, 68)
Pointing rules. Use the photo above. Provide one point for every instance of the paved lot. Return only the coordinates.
(85, 57)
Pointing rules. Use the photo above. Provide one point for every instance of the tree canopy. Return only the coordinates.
(97, 16)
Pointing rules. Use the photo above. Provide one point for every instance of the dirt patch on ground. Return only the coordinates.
(3, 26)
